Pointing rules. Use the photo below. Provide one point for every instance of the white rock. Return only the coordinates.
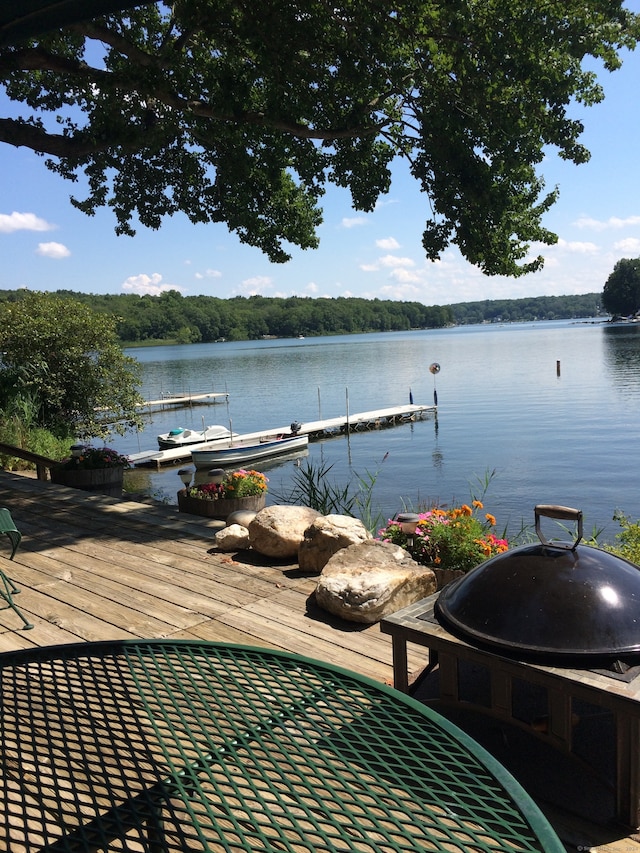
(232, 538)
(240, 516)
(277, 531)
(364, 583)
(325, 536)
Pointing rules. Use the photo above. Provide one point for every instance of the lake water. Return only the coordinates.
(551, 408)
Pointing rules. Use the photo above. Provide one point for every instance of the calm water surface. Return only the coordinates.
(569, 437)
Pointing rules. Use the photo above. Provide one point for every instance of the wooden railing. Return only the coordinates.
(42, 463)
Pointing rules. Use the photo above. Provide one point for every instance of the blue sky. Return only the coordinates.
(45, 244)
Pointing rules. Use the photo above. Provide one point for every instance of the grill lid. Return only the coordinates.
(550, 603)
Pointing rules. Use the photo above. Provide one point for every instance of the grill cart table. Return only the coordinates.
(191, 746)
(618, 695)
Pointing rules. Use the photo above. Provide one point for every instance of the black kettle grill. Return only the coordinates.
(552, 603)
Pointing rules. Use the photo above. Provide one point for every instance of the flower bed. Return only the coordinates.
(449, 539)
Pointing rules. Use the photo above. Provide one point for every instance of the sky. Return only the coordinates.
(47, 245)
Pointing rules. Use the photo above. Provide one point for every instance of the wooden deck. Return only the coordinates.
(98, 568)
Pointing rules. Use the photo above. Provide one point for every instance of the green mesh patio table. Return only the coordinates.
(192, 746)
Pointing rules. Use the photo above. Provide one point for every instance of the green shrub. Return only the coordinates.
(628, 540)
(36, 439)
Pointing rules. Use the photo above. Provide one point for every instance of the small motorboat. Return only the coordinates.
(180, 436)
(233, 452)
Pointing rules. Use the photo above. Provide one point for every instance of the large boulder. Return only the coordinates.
(366, 582)
(277, 531)
(325, 536)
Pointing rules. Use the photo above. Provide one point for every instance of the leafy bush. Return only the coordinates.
(36, 439)
(628, 539)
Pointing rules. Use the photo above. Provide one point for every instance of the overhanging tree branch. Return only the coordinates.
(201, 110)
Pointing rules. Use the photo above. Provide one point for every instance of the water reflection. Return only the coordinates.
(622, 353)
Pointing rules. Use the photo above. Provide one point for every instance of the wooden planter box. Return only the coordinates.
(445, 576)
(105, 481)
(220, 508)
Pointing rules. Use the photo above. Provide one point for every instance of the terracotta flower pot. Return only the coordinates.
(105, 481)
(220, 508)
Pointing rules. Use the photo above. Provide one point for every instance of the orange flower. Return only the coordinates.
(465, 509)
(491, 519)
(477, 505)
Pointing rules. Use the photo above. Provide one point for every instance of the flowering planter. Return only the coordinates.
(105, 481)
(219, 508)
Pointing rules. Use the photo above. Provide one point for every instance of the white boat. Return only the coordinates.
(180, 436)
(230, 452)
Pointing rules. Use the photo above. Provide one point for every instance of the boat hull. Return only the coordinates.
(233, 453)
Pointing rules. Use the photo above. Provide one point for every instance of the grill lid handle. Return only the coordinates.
(564, 513)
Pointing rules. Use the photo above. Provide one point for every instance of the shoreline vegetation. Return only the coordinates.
(171, 318)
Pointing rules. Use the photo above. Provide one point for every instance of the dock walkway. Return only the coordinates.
(316, 430)
(185, 400)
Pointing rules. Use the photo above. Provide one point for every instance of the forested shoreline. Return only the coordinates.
(172, 317)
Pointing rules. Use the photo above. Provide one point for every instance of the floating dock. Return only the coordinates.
(184, 400)
(316, 430)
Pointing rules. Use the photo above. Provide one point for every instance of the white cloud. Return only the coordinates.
(255, 286)
(405, 275)
(353, 221)
(384, 202)
(23, 222)
(629, 245)
(577, 247)
(258, 281)
(612, 222)
(208, 274)
(369, 267)
(312, 287)
(388, 243)
(53, 250)
(395, 261)
(404, 292)
(147, 285)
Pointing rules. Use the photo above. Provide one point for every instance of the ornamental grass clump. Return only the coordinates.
(237, 484)
(93, 458)
(455, 538)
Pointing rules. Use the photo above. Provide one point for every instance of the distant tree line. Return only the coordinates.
(527, 308)
(194, 319)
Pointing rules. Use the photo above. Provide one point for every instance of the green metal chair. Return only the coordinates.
(8, 588)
